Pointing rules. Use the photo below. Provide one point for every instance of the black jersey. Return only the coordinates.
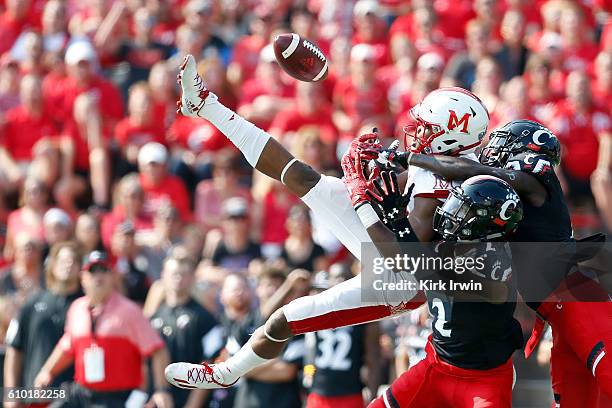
(477, 335)
(337, 356)
(37, 329)
(540, 272)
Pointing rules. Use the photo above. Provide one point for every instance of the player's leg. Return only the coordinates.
(586, 328)
(338, 306)
(484, 389)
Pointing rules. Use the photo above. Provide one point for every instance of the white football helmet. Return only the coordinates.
(448, 121)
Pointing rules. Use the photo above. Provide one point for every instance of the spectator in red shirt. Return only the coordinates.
(140, 127)
(9, 83)
(162, 83)
(129, 206)
(107, 337)
(29, 217)
(426, 35)
(267, 93)
(91, 108)
(311, 108)
(28, 127)
(489, 13)
(160, 187)
(370, 29)
(580, 126)
(360, 97)
(245, 55)
(602, 86)
(579, 51)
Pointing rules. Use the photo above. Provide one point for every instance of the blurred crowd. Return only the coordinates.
(94, 156)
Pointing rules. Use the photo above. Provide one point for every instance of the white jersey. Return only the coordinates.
(430, 185)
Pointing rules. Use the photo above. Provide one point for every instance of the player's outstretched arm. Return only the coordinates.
(457, 168)
(262, 151)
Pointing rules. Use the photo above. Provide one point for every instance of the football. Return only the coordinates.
(300, 58)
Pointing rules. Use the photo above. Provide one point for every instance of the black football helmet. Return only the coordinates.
(520, 136)
(483, 208)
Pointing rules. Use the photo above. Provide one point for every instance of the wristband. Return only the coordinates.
(367, 215)
(403, 230)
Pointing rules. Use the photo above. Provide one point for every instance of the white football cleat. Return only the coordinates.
(195, 95)
(196, 376)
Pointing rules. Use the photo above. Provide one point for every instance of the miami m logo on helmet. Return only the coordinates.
(454, 121)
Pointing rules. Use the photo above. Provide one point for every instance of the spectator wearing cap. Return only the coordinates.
(58, 226)
(107, 337)
(189, 331)
(360, 96)
(27, 126)
(370, 29)
(158, 185)
(235, 249)
(311, 109)
(140, 127)
(45, 312)
(246, 52)
(29, 217)
(211, 194)
(134, 265)
(90, 109)
(512, 57)
(266, 93)
(461, 68)
(299, 250)
(429, 69)
(129, 205)
(578, 115)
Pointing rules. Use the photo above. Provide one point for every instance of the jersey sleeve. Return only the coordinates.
(535, 164)
(145, 338)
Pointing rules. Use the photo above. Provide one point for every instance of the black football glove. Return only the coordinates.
(388, 200)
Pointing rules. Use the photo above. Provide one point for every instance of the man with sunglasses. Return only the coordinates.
(107, 337)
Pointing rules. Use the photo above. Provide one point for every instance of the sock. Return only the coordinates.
(240, 363)
(247, 137)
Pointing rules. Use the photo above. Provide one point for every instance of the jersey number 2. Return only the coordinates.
(440, 313)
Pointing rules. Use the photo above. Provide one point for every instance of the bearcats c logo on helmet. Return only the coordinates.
(454, 121)
(509, 204)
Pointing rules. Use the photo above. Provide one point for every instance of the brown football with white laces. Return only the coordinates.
(300, 58)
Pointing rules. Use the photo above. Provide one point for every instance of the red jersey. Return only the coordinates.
(9, 31)
(579, 134)
(116, 217)
(22, 131)
(256, 87)
(172, 190)
(580, 58)
(122, 332)
(128, 133)
(291, 120)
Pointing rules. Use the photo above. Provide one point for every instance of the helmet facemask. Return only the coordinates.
(497, 152)
(452, 220)
(421, 133)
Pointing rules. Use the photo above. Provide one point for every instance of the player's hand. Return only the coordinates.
(386, 197)
(353, 167)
